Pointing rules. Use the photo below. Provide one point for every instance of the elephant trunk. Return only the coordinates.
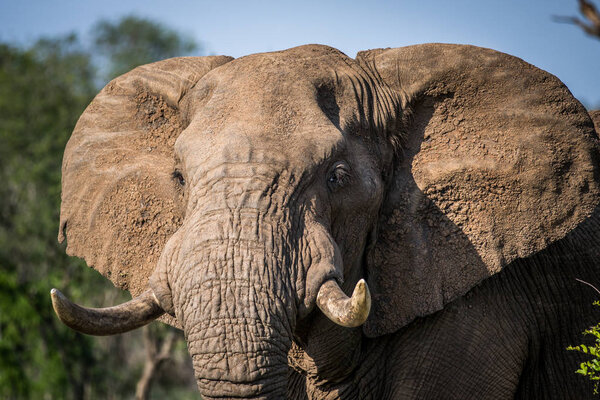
(234, 293)
(238, 358)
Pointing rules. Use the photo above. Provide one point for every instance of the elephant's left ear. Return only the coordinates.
(499, 160)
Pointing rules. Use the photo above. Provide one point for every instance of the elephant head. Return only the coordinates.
(234, 196)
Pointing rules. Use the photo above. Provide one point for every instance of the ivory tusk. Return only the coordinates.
(341, 309)
(125, 317)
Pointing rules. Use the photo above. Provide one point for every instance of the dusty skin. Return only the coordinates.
(244, 200)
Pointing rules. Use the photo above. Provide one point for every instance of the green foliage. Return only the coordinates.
(134, 41)
(591, 367)
(43, 91)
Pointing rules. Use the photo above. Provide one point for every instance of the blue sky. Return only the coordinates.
(518, 27)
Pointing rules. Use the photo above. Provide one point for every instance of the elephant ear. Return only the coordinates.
(596, 118)
(499, 160)
(119, 200)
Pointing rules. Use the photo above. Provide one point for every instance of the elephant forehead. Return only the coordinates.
(281, 90)
(243, 142)
(305, 63)
(279, 107)
(293, 107)
(280, 98)
(269, 107)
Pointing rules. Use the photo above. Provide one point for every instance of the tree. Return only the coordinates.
(590, 13)
(134, 41)
(43, 91)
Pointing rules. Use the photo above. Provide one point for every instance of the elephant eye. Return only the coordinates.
(178, 177)
(339, 176)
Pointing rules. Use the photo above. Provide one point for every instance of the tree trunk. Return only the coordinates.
(154, 358)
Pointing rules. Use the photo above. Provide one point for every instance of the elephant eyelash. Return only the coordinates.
(177, 175)
(339, 176)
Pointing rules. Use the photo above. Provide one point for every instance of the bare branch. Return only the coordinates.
(154, 358)
(590, 13)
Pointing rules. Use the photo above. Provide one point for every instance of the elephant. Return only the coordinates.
(408, 224)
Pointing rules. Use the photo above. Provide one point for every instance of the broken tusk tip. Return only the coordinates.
(361, 289)
(361, 284)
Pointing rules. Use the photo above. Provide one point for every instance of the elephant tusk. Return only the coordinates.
(137, 312)
(341, 309)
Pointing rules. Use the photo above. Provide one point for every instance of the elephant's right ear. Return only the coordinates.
(596, 118)
(120, 202)
(499, 160)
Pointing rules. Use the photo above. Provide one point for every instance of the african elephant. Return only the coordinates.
(409, 224)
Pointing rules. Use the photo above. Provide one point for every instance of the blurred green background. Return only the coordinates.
(44, 88)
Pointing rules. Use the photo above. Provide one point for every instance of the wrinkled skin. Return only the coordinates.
(294, 168)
